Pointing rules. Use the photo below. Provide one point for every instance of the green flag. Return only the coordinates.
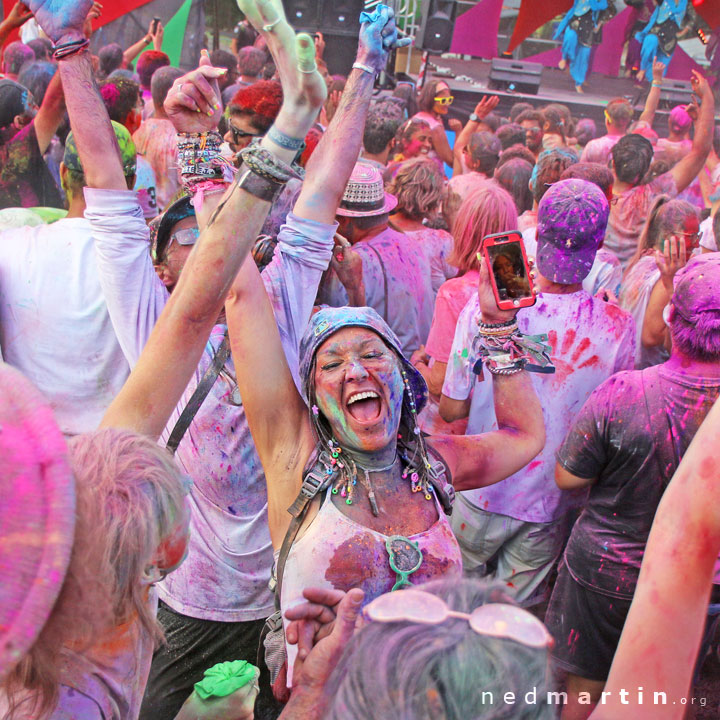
(174, 36)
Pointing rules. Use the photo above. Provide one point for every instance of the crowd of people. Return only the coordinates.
(272, 443)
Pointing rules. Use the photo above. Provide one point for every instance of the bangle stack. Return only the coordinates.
(656, 84)
(504, 350)
(65, 50)
(265, 175)
(203, 170)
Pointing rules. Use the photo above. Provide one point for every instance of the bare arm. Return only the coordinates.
(16, 18)
(673, 589)
(51, 113)
(565, 480)
(687, 169)
(134, 50)
(482, 110)
(451, 409)
(332, 162)
(653, 98)
(479, 460)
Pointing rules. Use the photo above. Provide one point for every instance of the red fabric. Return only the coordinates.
(606, 58)
(534, 14)
(708, 10)
(466, 38)
(111, 11)
(681, 65)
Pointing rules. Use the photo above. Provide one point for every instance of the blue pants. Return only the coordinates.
(650, 52)
(577, 55)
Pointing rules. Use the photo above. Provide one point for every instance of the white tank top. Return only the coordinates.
(337, 552)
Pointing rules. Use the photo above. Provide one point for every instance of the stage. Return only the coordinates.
(471, 83)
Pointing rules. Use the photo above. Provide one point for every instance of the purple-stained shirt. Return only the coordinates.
(629, 437)
(226, 572)
(599, 150)
(591, 340)
(391, 260)
(437, 246)
(628, 213)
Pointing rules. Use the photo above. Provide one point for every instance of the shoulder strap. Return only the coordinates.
(666, 453)
(441, 480)
(201, 392)
(315, 481)
(385, 281)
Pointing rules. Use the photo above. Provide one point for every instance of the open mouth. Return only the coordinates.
(365, 406)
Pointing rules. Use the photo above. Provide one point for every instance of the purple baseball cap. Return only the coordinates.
(696, 287)
(572, 218)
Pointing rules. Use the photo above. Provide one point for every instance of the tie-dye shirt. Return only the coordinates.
(591, 340)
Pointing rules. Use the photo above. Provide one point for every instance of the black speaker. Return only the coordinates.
(338, 17)
(675, 92)
(515, 76)
(438, 22)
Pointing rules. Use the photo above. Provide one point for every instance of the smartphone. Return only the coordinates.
(156, 22)
(509, 270)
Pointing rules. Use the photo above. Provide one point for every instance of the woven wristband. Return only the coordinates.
(283, 140)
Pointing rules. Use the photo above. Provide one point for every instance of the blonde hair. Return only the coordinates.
(418, 187)
(129, 497)
(487, 210)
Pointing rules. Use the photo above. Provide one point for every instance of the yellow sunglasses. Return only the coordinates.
(445, 100)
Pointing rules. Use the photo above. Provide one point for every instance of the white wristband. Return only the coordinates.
(364, 68)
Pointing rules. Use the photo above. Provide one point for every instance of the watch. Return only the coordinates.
(474, 118)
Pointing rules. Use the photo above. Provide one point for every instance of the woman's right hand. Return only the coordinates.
(486, 106)
(671, 259)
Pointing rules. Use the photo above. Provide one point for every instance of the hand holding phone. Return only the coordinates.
(156, 21)
(509, 270)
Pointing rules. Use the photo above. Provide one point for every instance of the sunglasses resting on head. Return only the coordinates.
(498, 620)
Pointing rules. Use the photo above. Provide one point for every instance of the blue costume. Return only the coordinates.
(659, 37)
(577, 29)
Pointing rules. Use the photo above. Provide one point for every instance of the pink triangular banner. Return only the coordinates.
(476, 30)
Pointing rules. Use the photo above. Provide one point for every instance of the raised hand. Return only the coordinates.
(700, 85)
(455, 125)
(658, 71)
(94, 14)
(673, 257)
(19, 15)
(486, 105)
(304, 89)
(61, 19)
(378, 36)
(193, 103)
(157, 36)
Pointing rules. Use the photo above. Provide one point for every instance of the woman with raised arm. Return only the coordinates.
(375, 493)
(105, 599)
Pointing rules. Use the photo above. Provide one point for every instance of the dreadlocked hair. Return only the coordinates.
(411, 446)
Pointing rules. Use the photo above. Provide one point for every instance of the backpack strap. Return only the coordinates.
(441, 480)
(201, 392)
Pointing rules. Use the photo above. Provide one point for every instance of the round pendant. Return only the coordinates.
(235, 397)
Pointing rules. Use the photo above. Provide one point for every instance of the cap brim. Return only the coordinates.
(390, 204)
(565, 268)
